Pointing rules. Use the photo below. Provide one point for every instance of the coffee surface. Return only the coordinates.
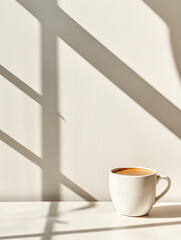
(134, 171)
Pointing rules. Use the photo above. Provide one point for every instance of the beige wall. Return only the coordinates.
(85, 86)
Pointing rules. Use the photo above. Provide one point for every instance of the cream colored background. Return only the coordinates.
(86, 86)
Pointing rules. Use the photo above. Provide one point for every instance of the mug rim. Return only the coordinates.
(144, 168)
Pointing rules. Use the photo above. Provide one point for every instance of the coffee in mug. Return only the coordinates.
(134, 171)
(133, 189)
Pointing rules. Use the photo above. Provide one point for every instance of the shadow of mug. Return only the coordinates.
(168, 211)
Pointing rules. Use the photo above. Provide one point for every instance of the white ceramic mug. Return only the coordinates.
(135, 195)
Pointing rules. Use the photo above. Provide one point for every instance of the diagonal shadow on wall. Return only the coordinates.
(38, 161)
(20, 84)
(56, 22)
(107, 63)
(170, 12)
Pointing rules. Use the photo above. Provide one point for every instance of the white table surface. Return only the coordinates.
(86, 220)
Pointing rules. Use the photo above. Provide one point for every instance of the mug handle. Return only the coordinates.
(159, 177)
